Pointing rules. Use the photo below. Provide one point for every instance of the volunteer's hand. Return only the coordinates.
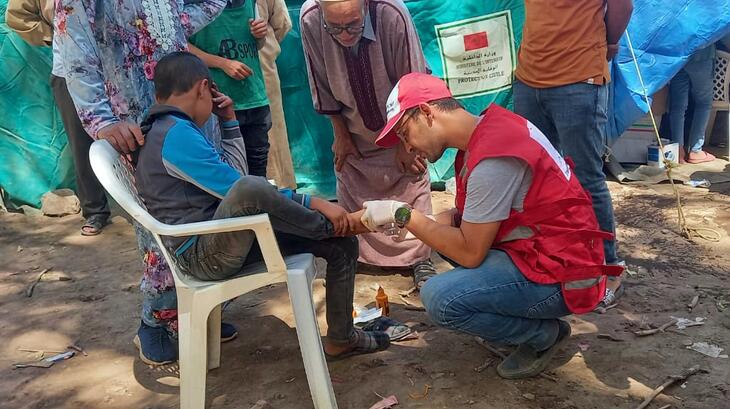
(124, 136)
(379, 213)
(342, 147)
(409, 162)
(236, 69)
(223, 105)
(258, 28)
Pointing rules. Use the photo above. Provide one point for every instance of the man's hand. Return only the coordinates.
(611, 51)
(409, 162)
(223, 105)
(258, 28)
(236, 69)
(379, 213)
(343, 147)
(124, 136)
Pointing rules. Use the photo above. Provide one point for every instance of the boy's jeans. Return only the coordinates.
(573, 117)
(298, 230)
(496, 302)
(255, 124)
(694, 79)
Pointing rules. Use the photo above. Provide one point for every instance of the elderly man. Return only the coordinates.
(356, 50)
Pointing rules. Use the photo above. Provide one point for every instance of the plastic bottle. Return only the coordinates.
(381, 301)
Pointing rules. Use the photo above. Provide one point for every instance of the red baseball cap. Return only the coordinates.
(411, 90)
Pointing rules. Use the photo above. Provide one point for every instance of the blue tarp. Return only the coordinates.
(664, 35)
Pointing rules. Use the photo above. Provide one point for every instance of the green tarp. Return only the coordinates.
(473, 44)
(33, 154)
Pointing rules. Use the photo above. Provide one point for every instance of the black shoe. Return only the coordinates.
(422, 271)
(155, 346)
(526, 362)
(228, 332)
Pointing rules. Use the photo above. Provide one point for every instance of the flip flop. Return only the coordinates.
(367, 343)
(706, 157)
(94, 224)
(395, 330)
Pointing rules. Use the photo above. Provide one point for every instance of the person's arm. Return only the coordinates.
(446, 217)
(27, 19)
(197, 14)
(487, 206)
(468, 244)
(618, 14)
(84, 74)
(322, 97)
(234, 69)
(189, 156)
(279, 19)
(232, 148)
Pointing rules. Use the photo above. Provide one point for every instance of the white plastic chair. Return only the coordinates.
(721, 93)
(199, 312)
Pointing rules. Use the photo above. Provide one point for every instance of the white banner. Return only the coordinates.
(478, 54)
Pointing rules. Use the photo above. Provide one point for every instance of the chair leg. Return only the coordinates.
(192, 340)
(710, 126)
(214, 338)
(310, 343)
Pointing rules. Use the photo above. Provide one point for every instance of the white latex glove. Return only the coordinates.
(379, 213)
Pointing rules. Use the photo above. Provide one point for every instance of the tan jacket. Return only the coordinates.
(280, 167)
(32, 20)
(276, 14)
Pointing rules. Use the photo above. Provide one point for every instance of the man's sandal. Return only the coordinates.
(94, 224)
(366, 342)
(422, 272)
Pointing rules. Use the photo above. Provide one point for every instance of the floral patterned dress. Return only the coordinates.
(109, 49)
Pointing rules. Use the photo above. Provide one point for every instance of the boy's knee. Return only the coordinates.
(350, 247)
(250, 187)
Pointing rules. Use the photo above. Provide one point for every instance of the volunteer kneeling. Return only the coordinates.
(523, 233)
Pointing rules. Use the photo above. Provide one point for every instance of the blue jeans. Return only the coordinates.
(573, 117)
(694, 79)
(496, 302)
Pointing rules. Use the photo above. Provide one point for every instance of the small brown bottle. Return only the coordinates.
(381, 301)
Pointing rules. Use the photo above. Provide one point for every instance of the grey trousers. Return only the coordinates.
(297, 229)
(88, 189)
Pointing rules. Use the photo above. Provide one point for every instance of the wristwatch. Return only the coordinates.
(403, 216)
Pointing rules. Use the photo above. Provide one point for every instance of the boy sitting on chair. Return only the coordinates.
(182, 178)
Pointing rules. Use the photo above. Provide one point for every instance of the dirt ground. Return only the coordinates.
(99, 310)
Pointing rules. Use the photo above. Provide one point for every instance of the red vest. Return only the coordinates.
(567, 245)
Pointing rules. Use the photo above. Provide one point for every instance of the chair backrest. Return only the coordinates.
(115, 174)
(721, 82)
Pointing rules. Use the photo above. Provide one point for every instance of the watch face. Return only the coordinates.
(402, 215)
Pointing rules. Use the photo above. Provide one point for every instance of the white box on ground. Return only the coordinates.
(671, 153)
(631, 146)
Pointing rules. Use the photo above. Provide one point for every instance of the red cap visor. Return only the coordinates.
(388, 137)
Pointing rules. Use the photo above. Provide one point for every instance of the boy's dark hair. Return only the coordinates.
(444, 104)
(177, 73)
